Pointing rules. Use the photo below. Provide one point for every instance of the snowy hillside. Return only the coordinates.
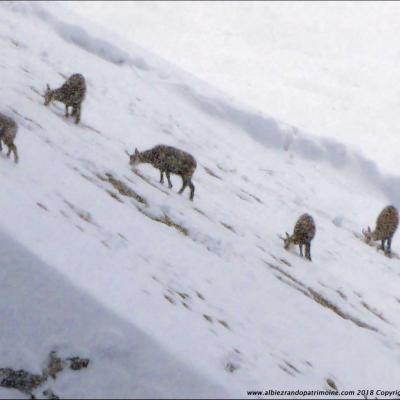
(168, 297)
(330, 68)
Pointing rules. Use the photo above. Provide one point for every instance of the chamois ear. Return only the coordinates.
(136, 151)
(369, 230)
(47, 86)
(287, 235)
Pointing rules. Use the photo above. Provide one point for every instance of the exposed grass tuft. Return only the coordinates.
(166, 220)
(123, 188)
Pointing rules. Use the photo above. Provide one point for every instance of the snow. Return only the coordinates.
(42, 311)
(201, 293)
(330, 69)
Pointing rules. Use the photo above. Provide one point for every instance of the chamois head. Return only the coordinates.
(134, 158)
(367, 235)
(287, 241)
(48, 95)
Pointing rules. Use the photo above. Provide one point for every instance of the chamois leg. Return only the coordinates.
(1, 146)
(191, 189)
(388, 246)
(308, 251)
(78, 114)
(169, 179)
(383, 244)
(161, 176)
(301, 249)
(12, 148)
(76, 111)
(15, 151)
(66, 111)
(184, 184)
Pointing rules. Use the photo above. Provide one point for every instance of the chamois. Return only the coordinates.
(8, 132)
(71, 93)
(386, 225)
(303, 234)
(169, 160)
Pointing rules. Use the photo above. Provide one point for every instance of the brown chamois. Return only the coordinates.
(303, 234)
(168, 159)
(386, 225)
(8, 132)
(71, 93)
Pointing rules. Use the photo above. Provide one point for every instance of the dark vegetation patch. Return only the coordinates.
(166, 220)
(261, 248)
(341, 294)
(114, 195)
(227, 226)
(326, 303)
(224, 324)
(208, 318)
(231, 367)
(27, 383)
(286, 262)
(201, 212)
(169, 298)
(122, 237)
(184, 296)
(42, 206)
(292, 367)
(16, 43)
(331, 383)
(257, 199)
(90, 128)
(105, 244)
(211, 173)
(26, 118)
(285, 369)
(33, 122)
(241, 197)
(64, 214)
(200, 296)
(83, 215)
(231, 171)
(375, 312)
(281, 260)
(123, 188)
(317, 297)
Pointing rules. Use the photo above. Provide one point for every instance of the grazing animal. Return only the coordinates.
(71, 93)
(303, 234)
(386, 225)
(169, 160)
(8, 132)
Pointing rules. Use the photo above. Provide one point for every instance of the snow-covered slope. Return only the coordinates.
(44, 312)
(207, 282)
(329, 68)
